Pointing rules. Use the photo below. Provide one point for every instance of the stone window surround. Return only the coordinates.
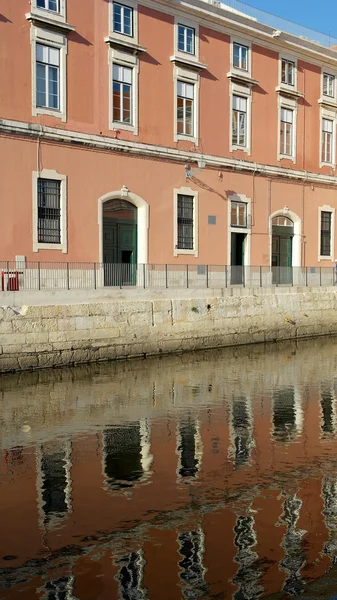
(121, 37)
(192, 77)
(330, 115)
(49, 174)
(285, 86)
(242, 42)
(185, 55)
(125, 59)
(330, 209)
(49, 14)
(238, 89)
(288, 104)
(59, 41)
(186, 191)
(246, 230)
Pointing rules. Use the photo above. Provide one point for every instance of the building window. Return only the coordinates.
(53, 5)
(327, 141)
(287, 72)
(185, 111)
(49, 211)
(286, 132)
(122, 94)
(238, 214)
(239, 121)
(328, 85)
(47, 77)
(185, 222)
(326, 221)
(122, 19)
(240, 57)
(186, 37)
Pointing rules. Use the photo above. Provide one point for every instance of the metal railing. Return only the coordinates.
(280, 23)
(84, 276)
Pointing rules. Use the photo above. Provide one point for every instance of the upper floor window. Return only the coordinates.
(238, 214)
(286, 132)
(185, 112)
(239, 121)
(328, 85)
(47, 77)
(326, 219)
(327, 141)
(287, 72)
(186, 39)
(53, 5)
(122, 94)
(122, 19)
(240, 57)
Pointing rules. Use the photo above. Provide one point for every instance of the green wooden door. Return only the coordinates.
(119, 252)
(282, 250)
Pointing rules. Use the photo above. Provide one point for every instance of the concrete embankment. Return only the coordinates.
(40, 336)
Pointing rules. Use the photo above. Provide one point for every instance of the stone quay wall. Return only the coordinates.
(33, 337)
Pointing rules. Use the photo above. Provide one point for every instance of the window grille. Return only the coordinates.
(325, 233)
(185, 222)
(49, 211)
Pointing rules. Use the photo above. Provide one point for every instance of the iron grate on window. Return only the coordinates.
(49, 211)
(185, 222)
(325, 233)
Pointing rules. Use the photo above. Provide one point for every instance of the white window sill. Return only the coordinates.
(58, 114)
(179, 252)
(242, 77)
(46, 17)
(180, 137)
(328, 101)
(289, 90)
(330, 165)
(40, 246)
(286, 157)
(235, 147)
(116, 126)
(188, 60)
(124, 42)
(326, 258)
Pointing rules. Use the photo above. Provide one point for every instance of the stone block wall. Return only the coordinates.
(46, 336)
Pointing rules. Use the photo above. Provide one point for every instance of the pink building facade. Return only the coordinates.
(164, 132)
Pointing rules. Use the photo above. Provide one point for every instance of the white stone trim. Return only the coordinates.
(186, 191)
(59, 41)
(125, 59)
(331, 115)
(63, 246)
(330, 209)
(242, 42)
(237, 89)
(121, 37)
(142, 221)
(289, 104)
(246, 230)
(35, 130)
(188, 76)
(193, 24)
(297, 238)
(60, 17)
(284, 86)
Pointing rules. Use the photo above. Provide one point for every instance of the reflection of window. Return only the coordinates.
(191, 548)
(131, 576)
(59, 589)
(248, 574)
(56, 482)
(328, 411)
(189, 446)
(294, 558)
(242, 431)
(284, 414)
(329, 493)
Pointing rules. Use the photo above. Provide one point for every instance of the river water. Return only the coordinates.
(204, 476)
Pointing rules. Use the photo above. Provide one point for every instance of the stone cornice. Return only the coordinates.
(85, 140)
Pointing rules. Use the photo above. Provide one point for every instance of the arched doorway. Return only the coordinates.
(119, 242)
(282, 249)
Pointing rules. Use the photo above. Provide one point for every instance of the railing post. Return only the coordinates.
(187, 276)
(166, 278)
(68, 280)
(243, 276)
(260, 276)
(207, 276)
(144, 275)
(306, 276)
(292, 276)
(95, 280)
(39, 275)
(226, 282)
(120, 268)
(320, 277)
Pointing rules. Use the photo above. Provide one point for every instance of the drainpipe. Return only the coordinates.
(268, 220)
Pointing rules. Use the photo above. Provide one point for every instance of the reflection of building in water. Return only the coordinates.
(127, 454)
(287, 414)
(54, 480)
(329, 494)
(294, 558)
(130, 576)
(240, 431)
(248, 574)
(189, 447)
(327, 401)
(192, 571)
(59, 589)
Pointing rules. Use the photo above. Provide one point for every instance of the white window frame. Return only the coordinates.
(58, 41)
(186, 56)
(328, 116)
(185, 191)
(234, 229)
(45, 13)
(124, 59)
(191, 77)
(236, 143)
(332, 97)
(330, 209)
(247, 44)
(287, 86)
(49, 174)
(287, 104)
(121, 36)
(236, 89)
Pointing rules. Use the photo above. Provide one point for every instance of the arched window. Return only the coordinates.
(282, 221)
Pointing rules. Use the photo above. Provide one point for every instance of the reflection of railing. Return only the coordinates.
(85, 276)
(280, 23)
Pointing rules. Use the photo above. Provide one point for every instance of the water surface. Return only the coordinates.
(209, 475)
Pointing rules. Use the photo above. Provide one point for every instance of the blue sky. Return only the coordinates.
(319, 16)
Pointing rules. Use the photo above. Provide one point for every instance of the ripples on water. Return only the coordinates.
(211, 475)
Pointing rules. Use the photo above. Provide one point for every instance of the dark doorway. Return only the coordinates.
(119, 243)
(282, 250)
(237, 257)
